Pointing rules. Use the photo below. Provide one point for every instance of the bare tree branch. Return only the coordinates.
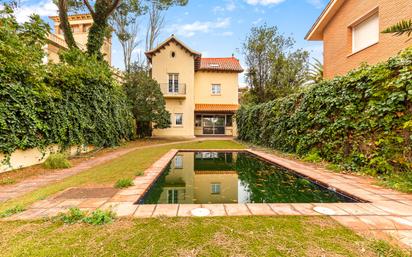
(89, 7)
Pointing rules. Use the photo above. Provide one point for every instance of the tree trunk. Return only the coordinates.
(65, 25)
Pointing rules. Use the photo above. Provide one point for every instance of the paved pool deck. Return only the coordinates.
(382, 212)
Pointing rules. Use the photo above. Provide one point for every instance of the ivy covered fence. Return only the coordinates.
(361, 121)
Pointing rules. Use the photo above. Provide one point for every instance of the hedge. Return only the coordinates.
(75, 102)
(361, 121)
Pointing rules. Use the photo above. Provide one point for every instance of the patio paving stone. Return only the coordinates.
(237, 210)
(260, 209)
(378, 222)
(215, 209)
(185, 209)
(145, 211)
(168, 210)
(284, 209)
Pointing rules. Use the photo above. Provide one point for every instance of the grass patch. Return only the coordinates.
(124, 183)
(11, 211)
(57, 161)
(108, 173)
(218, 236)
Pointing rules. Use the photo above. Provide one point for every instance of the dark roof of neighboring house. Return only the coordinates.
(230, 64)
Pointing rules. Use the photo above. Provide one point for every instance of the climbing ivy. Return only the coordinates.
(361, 121)
(74, 102)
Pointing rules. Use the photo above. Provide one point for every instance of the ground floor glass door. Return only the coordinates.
(213, 124)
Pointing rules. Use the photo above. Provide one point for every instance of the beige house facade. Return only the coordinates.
(201, 93)
(351, 33)
(80, 25)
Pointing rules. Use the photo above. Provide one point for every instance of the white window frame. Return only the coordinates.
(374, 14)
(172, 196)
(181, 115)
(173, 83)
(216, 188)
(214, 91)
(179, 162)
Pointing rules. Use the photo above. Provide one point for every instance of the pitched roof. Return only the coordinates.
(216, 107)
(220, 64)
(316, 31)
(165, 43)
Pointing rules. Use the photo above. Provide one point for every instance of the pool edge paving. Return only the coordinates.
(383, 212)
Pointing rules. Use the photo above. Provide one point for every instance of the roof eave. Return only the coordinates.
(316, 31)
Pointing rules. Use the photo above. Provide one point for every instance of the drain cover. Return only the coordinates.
(324, 210)
(200, 212)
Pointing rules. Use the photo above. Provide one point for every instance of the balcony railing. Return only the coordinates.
(178, 90)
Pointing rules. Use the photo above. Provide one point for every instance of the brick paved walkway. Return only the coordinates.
(31, 184)
(385, 213)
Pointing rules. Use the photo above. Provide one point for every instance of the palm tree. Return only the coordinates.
(401, 28)
(316, 71)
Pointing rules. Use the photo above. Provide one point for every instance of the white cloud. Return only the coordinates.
(317, 3)
(190, 29)
(229, 6)
(264, 2)
(42, 8)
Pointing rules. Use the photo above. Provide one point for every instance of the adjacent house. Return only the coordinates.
(80, 24)
(201, 93)
(350, 31)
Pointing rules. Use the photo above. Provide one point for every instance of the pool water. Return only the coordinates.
(218, 177)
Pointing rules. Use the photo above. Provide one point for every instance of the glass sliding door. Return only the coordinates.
(213, 124)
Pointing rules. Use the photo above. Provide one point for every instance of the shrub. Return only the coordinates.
(124, 183)
(11, 211)
(57, 161)
(74, 215)
(97, 217)
(360, 121)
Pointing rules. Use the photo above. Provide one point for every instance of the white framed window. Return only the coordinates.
(215, 188)
(173, 83)
(179, 119)
(216, 89)
(365, 33)
(172, 196)
(179, 162)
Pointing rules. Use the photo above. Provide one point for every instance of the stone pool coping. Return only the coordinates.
(383, 211)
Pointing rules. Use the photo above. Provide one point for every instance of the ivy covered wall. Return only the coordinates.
(361, 121)
(72, 103)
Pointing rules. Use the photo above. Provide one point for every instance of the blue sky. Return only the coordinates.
(218, 28)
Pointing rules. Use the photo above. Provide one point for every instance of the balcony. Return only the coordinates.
(173, 91)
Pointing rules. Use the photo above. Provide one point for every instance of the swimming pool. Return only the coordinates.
(234, 177)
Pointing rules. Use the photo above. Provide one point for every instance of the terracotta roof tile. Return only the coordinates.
(216, 107)
(220, 64)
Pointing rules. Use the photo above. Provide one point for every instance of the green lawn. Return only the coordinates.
(127, 166)
(224, 236)
(229, 236)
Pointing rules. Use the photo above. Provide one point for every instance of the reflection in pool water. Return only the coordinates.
(214, 177)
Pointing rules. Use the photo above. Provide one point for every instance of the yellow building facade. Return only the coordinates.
(201, 93)
(80, 25)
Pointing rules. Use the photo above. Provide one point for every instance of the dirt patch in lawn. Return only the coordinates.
(82, 193)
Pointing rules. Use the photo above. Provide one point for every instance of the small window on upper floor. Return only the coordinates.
(365, 33)
(216, 89)
(173, 54)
